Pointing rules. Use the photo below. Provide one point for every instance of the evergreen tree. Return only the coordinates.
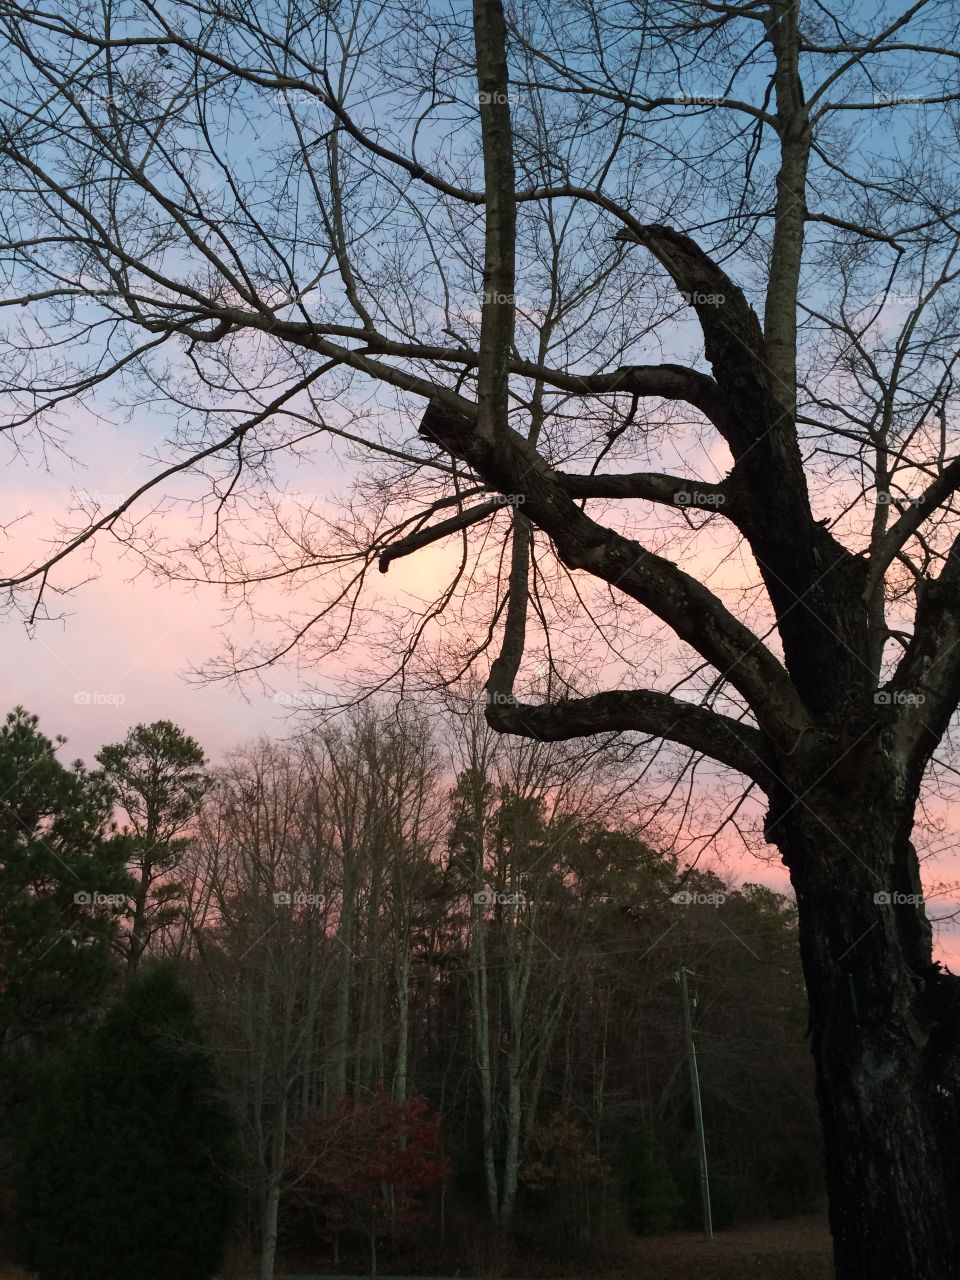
(62, 883)
(158, 773)
(126, 1162)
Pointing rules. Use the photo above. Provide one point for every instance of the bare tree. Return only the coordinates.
(429, 238)
(380, 805)
(261, 955)
(516, 811)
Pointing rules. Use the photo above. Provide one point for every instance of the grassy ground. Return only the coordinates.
(798, 1249)
(794, 1250)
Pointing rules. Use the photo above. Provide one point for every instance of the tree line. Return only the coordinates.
(405, 985)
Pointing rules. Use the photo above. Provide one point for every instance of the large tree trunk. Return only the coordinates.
(882, 1023)
(268, 1230)
(402, 972)
(138, 940)
(511, 1153)
(480, 1010)
(341, 1020)
(271, 1204)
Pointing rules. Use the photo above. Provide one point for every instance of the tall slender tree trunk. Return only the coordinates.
(484, 1062)
(138, 927)
(368, 1053)
(138, 940)
(373, 1253)
(511, 1151)
(341, 1021)
(271, 1201)
(402, 970)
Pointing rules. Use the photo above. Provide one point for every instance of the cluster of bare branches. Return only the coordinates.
(634, 326)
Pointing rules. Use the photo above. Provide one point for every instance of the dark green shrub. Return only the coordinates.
(648, 1189)
(724, 1201)
(125, 1160)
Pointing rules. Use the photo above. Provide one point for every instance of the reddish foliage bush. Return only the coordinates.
(368, 1165)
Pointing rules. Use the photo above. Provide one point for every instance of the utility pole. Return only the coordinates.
(681, 977)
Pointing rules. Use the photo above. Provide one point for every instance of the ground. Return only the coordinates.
(798, 1249)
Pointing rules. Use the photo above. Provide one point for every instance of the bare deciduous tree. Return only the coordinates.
(261, 956)
(498, 224)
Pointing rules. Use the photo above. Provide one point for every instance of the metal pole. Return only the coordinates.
(697, 1108)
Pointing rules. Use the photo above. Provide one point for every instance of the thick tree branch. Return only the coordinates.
(498, 311)
(926, 684)
(814, 583)
(435, 532)
(503, 671)
(733, 338)
(737, 745)
(900, 532)
(666, 381)
(786, 253)
(670, 491)
(694, 613)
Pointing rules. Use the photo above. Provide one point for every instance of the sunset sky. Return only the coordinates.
(124, 649)
(123, 652)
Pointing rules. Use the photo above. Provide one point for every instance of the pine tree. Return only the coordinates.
(126, 1162)
(62, 883)
(158, 773)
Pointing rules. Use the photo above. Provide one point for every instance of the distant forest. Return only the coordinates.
(406, 989)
